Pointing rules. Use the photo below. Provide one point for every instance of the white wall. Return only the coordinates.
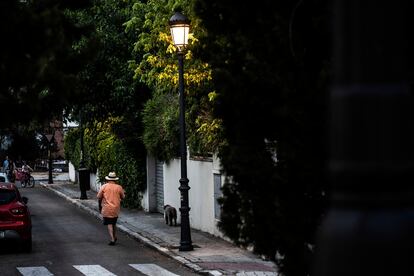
(94, 181)
(72, 173)
(201, 193)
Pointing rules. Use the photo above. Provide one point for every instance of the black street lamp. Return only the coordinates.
(180, 26)
(50, 138)
(83, 172)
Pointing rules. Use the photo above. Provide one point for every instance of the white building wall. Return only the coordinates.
(201, 193)
(72, 173)
(94, 181)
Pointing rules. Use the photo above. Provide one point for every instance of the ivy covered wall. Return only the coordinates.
(105, 151)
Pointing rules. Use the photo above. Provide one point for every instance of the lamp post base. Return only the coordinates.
(186, 246)
(83, 195)
(185, 241)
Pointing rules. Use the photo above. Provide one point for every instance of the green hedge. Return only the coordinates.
(104, 152)
(72, 146)
(161, 126)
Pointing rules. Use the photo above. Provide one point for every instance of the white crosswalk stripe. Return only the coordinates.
(152, 270)
(93, 270)
(97, 270)
(34, 271)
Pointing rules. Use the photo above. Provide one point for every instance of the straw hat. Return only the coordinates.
(111, 176)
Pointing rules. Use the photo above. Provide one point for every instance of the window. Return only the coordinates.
(217, 195)
(7, 196)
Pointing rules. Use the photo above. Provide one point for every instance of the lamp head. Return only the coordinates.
(180, 28)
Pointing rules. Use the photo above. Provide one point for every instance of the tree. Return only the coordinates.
(156, 66)
(271, 76)
(111, 102)
(107, 84)
(25, 145)
(38, 64)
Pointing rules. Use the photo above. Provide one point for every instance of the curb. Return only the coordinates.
(121, 226)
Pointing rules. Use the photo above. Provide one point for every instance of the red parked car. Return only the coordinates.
(15, 220)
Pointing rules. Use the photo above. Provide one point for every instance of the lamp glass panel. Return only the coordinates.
(179, 35)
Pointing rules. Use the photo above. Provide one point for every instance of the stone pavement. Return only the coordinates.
(211, 255)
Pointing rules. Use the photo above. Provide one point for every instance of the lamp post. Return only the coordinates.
(83, 172)
(180, 26)
(49, 138)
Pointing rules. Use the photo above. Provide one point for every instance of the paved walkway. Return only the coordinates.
(211, 255)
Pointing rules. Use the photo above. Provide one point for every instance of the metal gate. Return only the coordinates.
(159, 185)
(217, 194)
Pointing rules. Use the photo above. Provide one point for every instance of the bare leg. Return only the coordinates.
(114, 232)
(111, 232)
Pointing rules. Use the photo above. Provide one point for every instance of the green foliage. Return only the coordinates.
(207, 135)
(24, 145)
(116, 157)
(271, 77)
(105, 152)
(72, 146)
(107, 84)
(157, 67)
(112, 100)
(38, 64)
(160, 118)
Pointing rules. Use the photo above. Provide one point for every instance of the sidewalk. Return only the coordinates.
(211, 255)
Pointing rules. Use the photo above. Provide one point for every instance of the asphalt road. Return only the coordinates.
(68, 241)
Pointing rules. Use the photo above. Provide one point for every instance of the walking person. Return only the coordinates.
(6, 164)
(109, 197)
(12, 171)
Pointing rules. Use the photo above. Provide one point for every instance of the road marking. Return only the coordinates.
(152, 270)
(97, 270)
(34, 271)
(93, 270)
(256, 273)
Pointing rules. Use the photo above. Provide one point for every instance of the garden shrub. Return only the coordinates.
(105, 152)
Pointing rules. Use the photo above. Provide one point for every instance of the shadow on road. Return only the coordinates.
(8, 247)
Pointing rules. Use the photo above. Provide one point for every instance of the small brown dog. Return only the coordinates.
(170, 215)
